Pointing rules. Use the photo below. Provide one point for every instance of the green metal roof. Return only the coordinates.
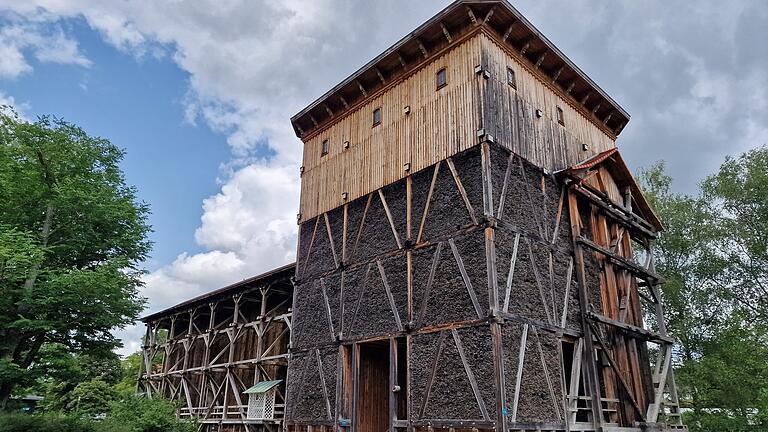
(263, 387)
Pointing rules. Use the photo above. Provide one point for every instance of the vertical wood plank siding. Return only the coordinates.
(444, 122)
(510, 114)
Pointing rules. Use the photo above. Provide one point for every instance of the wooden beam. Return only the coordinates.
(511, 274)
(402, 61)
(567, 296)
(472, 16)
(655, 407)
(470, 375)
(344, 102)
(328, 309)
(570, 87)
(509, 31)
(389, 218)
(597, 108)
(461, 189)
(328, 110)
(314, 121)
(391, 298)
(336, 261)
(362, 222)
(429, 199)
(324, 386)
(618, 373)
(621, 261)
(537, 277)
(620, 127)
(592, 384)
(505, 185)
(497, 349)
(634, 331)
(430, 282)
(546, 374)
(362, 89)
(446, 33)
(519, 376)
(607, 119)
(423, 49)
(525, 47)
(541, 58)
(557, 74)
(616, 212)
(489, 14)
(465, 277)
(433, 370)
(380, 75)
(585, 98)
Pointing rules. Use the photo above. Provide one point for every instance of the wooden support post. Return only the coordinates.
(592, 382)
(497, 346)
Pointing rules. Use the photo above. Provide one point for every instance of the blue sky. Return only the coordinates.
(137, 103)
(200, 94)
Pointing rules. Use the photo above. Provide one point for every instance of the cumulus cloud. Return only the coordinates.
(691, 77)
(46, 43)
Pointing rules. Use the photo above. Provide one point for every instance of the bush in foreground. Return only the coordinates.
(140, 414)
(49, 422)
(129, 414)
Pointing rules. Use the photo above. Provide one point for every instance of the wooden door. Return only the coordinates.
(373, 388)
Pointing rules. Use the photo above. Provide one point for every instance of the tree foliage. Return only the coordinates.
(714, 256)
(72, 235)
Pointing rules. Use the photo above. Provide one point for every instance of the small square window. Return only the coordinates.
(511, 80)
(442, 79)
(377, 116)
(560, 116)
(324, 149)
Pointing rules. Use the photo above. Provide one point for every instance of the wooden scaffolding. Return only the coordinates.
(207, 352)
(625, 364)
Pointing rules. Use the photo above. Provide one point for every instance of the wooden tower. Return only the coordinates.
(474, 253)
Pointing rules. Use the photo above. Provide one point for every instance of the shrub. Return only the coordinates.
(141, 414)
(51, 422)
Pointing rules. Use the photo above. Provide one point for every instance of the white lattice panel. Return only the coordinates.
(261, 406)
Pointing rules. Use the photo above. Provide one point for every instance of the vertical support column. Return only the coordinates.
(498, 375)
(409, 243)
(392, 382)
(490, 233)
(589, 352)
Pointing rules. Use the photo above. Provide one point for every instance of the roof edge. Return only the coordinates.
(218, 292)
(306, 121)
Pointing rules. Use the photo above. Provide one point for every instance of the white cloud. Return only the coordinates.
(45, 42)
(690, 79)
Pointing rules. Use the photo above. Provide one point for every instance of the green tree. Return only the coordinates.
(713, 256)
(130, 373)
(90, 398)
(740, 192)
(60, 372)
(73, 235)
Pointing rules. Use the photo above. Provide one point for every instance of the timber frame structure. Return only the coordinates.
(473, 255)
(610, 230)
(207, 351)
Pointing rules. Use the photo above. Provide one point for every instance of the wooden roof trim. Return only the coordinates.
(462, 7)
(548, 82)
(616, 165)
(286, 271)
(412, 36)
(415, 68)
